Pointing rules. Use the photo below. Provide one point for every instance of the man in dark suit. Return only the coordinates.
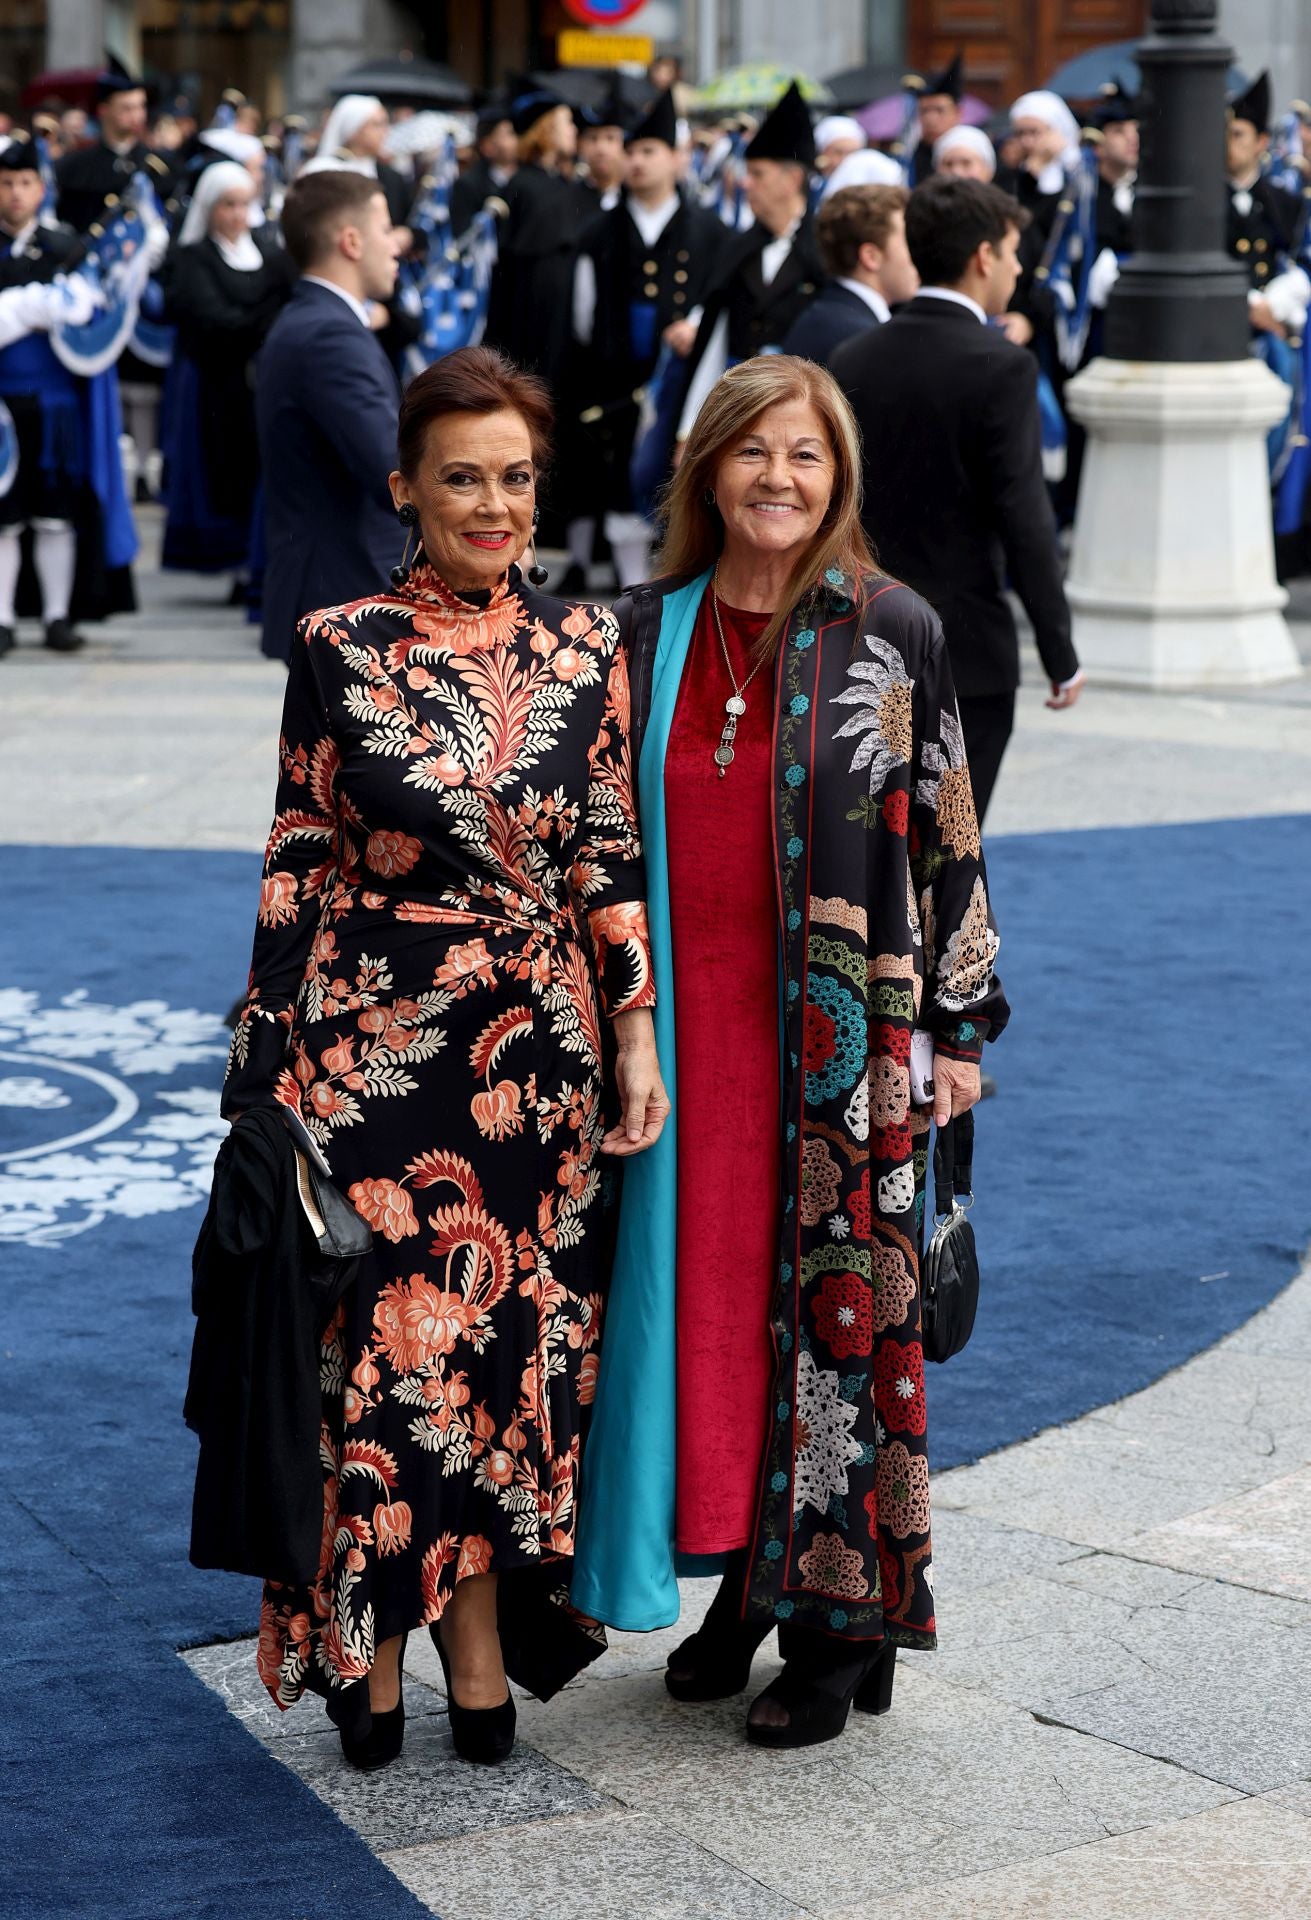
(326, 405)
(954, 493)
(861, 233)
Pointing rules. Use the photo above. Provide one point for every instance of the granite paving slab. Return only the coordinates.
(1261, 1539)
(229, 1668)
(618, 1866)
(1250, 1860)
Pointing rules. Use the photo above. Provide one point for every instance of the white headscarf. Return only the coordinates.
(225, 176)
(866, 169)
(969, 140)
(343, 123)
(838, 127)
(1053, 112)
(233, 145)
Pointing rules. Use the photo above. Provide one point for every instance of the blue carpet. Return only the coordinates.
(1130, 1212)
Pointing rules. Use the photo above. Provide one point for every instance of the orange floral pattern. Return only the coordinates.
(453, 891)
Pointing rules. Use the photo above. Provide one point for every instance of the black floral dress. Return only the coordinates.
(454, 819)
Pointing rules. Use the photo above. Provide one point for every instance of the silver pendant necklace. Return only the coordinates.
(735, 706)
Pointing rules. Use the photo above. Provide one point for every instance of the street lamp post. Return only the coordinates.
(1172, 580)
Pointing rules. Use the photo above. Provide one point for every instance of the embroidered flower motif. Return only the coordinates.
(903, 1488)
(840, 1070)
(899, 1386)
(829, 1567)
(839, 1226)
(893, 1286)
(889, 1092)
(945, 786)
(416, 1322)
(844, 1316)
(794, 776)
(820, 1181)
(824, 1447)
(277, 899)
(858, 1207)
(897, 1190)
(805, 637)
(965, 968)
(882, 699)
(896, 811)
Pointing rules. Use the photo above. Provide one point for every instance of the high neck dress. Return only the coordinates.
(453, 866)
(724, 926)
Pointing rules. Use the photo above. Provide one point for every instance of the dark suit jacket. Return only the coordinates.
(326, 406)
(834, 315)
(954, 493)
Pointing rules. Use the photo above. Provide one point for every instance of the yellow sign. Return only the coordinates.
(576, 47)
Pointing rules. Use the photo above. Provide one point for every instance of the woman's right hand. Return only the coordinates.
(641, 1089)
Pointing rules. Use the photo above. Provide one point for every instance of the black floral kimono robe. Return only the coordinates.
(884, 925)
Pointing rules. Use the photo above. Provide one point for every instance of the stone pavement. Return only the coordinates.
(1117, 1719)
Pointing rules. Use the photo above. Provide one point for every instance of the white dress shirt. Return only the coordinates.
(961, 300)
(873, 299)
(650, 223)
(714, 360)
(358, 307)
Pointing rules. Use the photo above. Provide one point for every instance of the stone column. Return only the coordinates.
(1172, 579)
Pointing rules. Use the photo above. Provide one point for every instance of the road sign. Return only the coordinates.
(574, 48)
(602, 13)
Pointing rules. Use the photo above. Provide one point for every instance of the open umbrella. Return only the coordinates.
(588, 86)
(753, 88)
(1084, 77)
(412, 82)
(857, 86)
(886, 119)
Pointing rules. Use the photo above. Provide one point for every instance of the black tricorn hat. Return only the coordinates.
(659, 123)
(20, 156)
(786, 132)
(115, 79)
(611, 111)
(1114, 106)
(951, 80)
(1254, 105)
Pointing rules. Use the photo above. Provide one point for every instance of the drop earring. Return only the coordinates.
(408, 515)
(537, 573)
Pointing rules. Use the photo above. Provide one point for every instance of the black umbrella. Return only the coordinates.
(857, 86)
(410, 82)
(1084, 77)
(590, 86)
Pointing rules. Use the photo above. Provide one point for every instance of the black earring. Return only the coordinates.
(537, 573)
(709, 496)
(408, 515)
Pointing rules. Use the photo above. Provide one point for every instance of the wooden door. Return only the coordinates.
(1012, 45)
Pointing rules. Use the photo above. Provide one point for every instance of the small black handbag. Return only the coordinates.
(949, 1271)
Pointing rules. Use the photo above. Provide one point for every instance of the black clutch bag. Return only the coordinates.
(949, 1271)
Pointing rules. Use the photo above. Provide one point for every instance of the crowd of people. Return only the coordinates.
(637, 254)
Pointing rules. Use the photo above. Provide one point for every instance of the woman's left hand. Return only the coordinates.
(641, 1091)
(955, 1088)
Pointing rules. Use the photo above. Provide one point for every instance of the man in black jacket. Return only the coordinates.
(862, 242)
(954, 493)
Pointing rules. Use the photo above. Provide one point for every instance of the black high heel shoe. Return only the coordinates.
(382, 1743)
(715, 1662)
(874, 1694)
(483, 1735)
(817, 1690)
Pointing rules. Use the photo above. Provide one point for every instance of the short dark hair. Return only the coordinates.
(947, 220)
(852, 218)
(316, 209)
(472, 380)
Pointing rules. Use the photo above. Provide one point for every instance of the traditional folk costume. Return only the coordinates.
(529, 312)
(455, 814)
(948, 84)
(68, 490)
(765, 280)
(223, 296)
(639, 269)
(761, 1381)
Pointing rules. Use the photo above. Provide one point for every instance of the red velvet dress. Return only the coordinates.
(724, 923)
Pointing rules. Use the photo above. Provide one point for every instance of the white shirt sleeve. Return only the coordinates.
(38, 307)
(584, 298)
(711, 367)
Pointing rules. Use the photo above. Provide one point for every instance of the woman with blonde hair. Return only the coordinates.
(815, 891)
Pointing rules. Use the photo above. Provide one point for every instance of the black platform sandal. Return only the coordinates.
(816, 1695)
(382, 1743)
(714, 1663)
(482, 1735)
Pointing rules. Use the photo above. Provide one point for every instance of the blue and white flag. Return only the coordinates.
(118, 267)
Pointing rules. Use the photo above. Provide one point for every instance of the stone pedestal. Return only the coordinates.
(1172, 577)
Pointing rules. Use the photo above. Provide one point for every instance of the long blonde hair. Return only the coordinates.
(694, 531)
